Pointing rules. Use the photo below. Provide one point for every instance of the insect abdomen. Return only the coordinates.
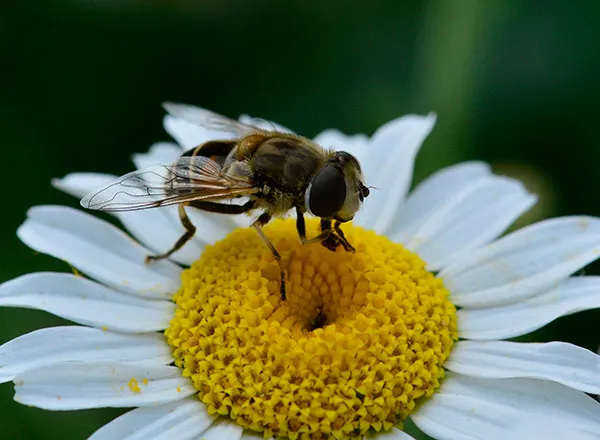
(215, 150)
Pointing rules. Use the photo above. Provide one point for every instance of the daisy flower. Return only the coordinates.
(411, 325)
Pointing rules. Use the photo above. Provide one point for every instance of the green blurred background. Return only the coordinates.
(513, 83)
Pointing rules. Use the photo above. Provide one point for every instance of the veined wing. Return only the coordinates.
(210, 120)
(190, 178)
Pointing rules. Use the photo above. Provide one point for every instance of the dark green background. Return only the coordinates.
(514, 83)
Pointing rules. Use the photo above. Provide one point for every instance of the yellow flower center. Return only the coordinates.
(360, 337)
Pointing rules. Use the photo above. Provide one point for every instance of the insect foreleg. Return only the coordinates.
(327, 237)
(330, 238)
(347, 246)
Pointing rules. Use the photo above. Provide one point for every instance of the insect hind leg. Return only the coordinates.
(222, 208)
(190, 230)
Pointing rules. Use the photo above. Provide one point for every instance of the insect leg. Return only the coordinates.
(300, 225)
(301, 228)
(262, 220)
(222, 208)
(190, 230)
(258, 225)
(347, 246)
(327, 237)
(329, 240)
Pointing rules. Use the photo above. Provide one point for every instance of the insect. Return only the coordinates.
(275, 171)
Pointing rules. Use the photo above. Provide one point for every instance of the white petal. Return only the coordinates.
(546, 429)
(393, 434)
(223, 429)
(469, 408)
(158, 229)
(468, 219)
(560, 362)
(523, 263)
(388, 167)
(357, 144)
(181, 420)
(189, 135)
(572, 295)
(432, 193)
(100, 384)
(212, 227)
(79, 184)
(161, 152)
(86, 302)
(79, 344)
(99, 250)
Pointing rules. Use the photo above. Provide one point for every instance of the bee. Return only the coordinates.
(273, 170)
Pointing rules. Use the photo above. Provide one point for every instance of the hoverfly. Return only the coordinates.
(274, 170)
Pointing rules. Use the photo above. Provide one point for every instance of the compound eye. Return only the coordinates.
(326, 193)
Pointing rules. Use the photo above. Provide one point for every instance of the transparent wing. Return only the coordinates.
(210, 120)
(190, 178)
(264, 124)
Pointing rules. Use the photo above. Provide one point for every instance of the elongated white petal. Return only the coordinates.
(223, 429)
(189, 135)
(99, 250)
(523, 263)
(357, 144)
(79, 344)
(159, 229)
(389, 168)
(570, 296)
(212, 227)
(181, 420)
(143, 225)
(544, 428)
(393, 434)
(79, 184)
(560, 362)
(86, 302)
(100, 384)
(433, 192)
(468, 219)
(469, 408)
(161, 152)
